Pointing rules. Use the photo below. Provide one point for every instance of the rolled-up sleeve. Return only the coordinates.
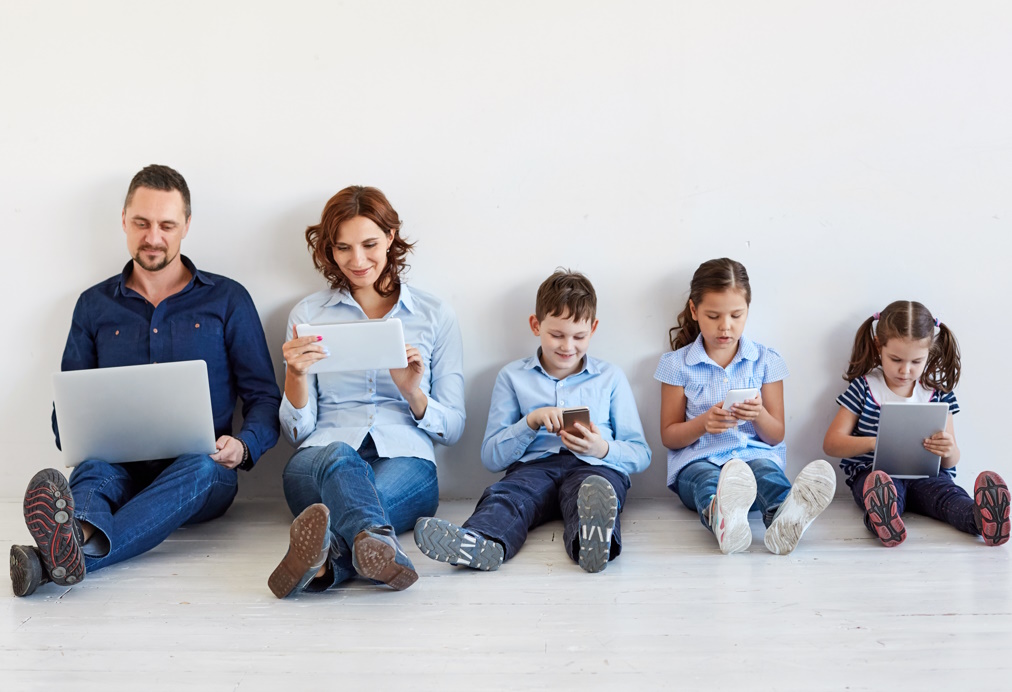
(297, 424)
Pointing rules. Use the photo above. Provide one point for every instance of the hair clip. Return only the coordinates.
(876, 316)
(938, 322)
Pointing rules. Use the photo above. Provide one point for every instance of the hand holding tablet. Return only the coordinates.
(349, 346)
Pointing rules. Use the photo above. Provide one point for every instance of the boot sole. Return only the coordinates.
(442, 541)
(811, 493)
(880, 501)
(49, 515)
(736, 491)
(991, 508)
(377, 560)
(597, 506)
(308, 538)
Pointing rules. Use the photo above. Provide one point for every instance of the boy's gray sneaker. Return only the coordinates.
(440, 540)
(811, 493)
(736, 491)
(597, 506)
(27, 573)
(377, 555)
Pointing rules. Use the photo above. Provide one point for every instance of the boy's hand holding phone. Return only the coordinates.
(549, 418)
(589, 442)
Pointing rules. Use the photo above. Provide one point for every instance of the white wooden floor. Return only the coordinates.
(841, 612)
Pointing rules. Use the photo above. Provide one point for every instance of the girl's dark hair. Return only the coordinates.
(345, 205)
(716, 275)
(907, 319)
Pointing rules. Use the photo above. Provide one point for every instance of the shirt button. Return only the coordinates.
(155, 330)
(117, 332)
(561, 402)
(197, 325)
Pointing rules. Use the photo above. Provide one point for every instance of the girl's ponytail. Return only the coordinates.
(943, 367)
(686, 331)
(864, 356)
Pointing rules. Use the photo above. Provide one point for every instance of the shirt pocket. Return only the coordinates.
(200, 338)
(117, 345)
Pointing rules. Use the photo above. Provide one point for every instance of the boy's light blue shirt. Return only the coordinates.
(347, 406)
(706, 384)
(523, 386)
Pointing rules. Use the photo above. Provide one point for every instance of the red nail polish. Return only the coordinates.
(319, 338)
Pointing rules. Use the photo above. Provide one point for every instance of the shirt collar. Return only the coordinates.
(589, 365)
(406, 299)
(195, 276)
(747, 350)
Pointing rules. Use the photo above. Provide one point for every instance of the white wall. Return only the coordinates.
(848, 153)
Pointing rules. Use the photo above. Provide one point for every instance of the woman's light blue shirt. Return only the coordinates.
(347, 406)
(706, 384)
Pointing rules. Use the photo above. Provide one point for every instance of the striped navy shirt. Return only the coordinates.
(864, 398)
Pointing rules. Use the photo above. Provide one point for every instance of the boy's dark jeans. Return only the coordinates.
(532, 493)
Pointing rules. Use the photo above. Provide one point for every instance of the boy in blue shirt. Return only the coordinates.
(551, 473)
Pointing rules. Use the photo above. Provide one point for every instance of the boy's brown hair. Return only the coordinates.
(566, 294)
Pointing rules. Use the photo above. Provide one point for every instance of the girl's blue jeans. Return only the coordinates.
(696, 484)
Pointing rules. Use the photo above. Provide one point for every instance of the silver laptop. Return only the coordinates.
(902, 429)
(134, 413)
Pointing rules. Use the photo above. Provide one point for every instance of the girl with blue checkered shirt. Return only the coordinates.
(724, 463)
(912, 357)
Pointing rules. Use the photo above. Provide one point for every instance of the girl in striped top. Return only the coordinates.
(903, 354)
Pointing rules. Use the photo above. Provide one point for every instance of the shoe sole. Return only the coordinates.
(597, 507)
(49, 515)
(811, 493)
(377, 560)
(26, 572)
(442, 541)
(736, 491)
(308, 538)
(880, 502)
(991, 508)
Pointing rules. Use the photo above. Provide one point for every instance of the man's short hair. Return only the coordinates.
(566, 294)
(159, 177)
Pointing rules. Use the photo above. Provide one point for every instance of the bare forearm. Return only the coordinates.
(844, 446)
(679, 435)
(296, 389)
(769, 428)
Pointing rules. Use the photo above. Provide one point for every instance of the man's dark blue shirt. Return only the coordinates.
(212, 319)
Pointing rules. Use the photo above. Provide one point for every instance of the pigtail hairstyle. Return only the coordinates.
(943, 368)
(907, 319)
(716, 275)
(350, 202)
(864, 356)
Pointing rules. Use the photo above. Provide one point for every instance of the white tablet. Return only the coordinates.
(359, 345)
(134, 413)
(739, 396)
(902, 429)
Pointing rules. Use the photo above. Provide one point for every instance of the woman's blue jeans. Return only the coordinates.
(696, 484)
(362, 491)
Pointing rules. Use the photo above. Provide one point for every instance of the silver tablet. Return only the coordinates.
(902, 429)
(135, 412)
(359, 345)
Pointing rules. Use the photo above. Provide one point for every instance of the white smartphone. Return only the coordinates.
(738, 396)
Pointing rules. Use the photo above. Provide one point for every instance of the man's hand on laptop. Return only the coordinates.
(229, 452)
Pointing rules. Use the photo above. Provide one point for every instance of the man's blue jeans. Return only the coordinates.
(135, 506)
(361, 490)
(696, 484)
